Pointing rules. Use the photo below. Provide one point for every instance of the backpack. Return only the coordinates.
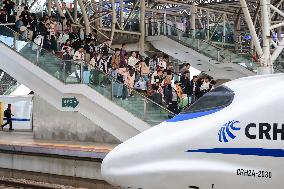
(6, 113)
(18, 25)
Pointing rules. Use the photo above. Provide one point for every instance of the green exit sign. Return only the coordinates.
(69, 102)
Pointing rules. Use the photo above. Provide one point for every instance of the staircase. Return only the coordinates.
(206, 48)
(45, 74)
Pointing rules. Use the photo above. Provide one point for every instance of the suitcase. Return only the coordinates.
(141, 84)
(117, 89)
(157, 97)
(124, 92)
(86, 77)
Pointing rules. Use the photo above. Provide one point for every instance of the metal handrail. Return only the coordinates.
(143, 96)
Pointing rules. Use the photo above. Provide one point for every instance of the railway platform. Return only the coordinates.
(58, 162)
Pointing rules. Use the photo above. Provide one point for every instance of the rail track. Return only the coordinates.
(9, 183)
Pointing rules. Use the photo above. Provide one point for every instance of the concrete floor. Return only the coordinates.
(26, 139)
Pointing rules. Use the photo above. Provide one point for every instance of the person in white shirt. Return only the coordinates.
(132, 59)
(163, 63)
(205, 86)
(79, 56)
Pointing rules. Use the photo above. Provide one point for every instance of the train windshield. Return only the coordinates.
(219, 97)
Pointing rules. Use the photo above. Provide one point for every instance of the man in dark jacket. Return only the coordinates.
(26, 15)
(185, 83)
(194, 91)
(3, 16)
(8, 114)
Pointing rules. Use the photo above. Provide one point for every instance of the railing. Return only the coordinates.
(70, 72)
(202, 46)
(11, 87)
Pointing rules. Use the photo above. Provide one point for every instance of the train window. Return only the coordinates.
(217, 98)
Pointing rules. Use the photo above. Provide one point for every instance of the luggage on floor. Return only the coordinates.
(124, 92)
(86, 77)
(117, 89)
(141, 85)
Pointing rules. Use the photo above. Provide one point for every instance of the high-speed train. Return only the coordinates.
(231, 138)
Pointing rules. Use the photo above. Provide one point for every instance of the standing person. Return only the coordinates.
(132, 60)
(33, 26)
(102, 63)
(115, 59)
(194, 89)
(67, 56)
(9, 6)
(185, 69)
(185, 84)
(153, 63)
(173, 100)
(75, 38)
(89, 49)
(19, 24)
(163, 62)
(8, 114)
(205, 86)
(26, 16)
(123, 55)
(104, 47)
(144, 69)
(79, 55)
(3, 16)
(156, 80)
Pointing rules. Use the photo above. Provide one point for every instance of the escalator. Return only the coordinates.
(215, 61)
(46, 75)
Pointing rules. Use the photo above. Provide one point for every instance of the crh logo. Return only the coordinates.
(226, 131)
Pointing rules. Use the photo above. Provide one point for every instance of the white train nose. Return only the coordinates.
(125, 164)
(116, 167)
(137, 161)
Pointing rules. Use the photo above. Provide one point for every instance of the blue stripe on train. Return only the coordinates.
(18, 119)
(243, 151)
(183, 117)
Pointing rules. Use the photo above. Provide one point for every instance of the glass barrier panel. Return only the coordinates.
(69, 71)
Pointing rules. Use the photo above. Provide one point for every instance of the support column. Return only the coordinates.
(59, 8)
(142, 27)
(121, 14)
(49, 7)
(265, 59)
(192, 19)
(165, 24)
(100, 14)
(224, 28)
(95, 7)
(279, 31)
(85, 17)
(76, 11)
(207, 26)
(113, 21)
(251, 27)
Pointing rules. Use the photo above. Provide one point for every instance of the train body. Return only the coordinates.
(231, 138)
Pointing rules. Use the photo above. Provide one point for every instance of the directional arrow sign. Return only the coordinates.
(70, 102)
